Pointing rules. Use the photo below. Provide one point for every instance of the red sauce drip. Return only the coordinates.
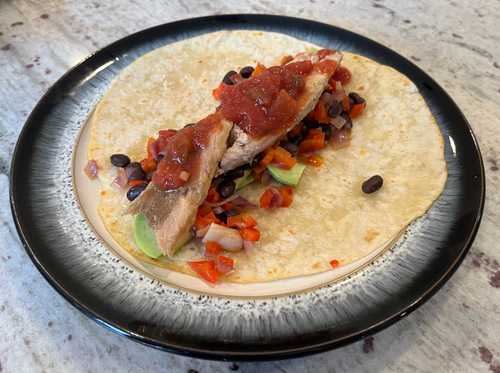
(180, 152)
(265, 104)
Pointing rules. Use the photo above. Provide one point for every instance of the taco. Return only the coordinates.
(304, 160)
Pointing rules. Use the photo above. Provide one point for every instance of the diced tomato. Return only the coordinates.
(224, 264)
(250, 234)
(314, 160)
(241, 221)
(320, 114)
(148, 165)
(213, 196)
(343, 75)
(217, 92)
(135, 182)
(212, 249)
(283, 159)
(334, 263)
(259, 69)
(356, 110)
(287, 195)
(314, 141)
(206, 270)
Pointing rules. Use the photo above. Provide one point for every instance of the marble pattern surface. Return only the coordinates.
(456, 42)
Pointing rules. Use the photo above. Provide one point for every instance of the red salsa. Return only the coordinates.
(178, 152)
(266, 103)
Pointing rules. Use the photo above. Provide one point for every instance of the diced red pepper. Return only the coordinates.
(356, 110)
(135, 182)
(334, 263)
(205, 220)
(314, 141)
(224, 264)
(266, 199)
(283, 159)
(213, 196)
(206, 270)
(287, 195)
(250, 234)
(212, 249)
(148, 165)
(320, 113)
(259, 69)
(241, 221)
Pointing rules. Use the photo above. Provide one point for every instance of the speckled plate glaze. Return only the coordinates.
(66, 251)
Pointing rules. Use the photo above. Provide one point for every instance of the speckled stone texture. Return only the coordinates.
(458, 330)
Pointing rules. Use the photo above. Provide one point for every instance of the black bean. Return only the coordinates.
(232, 212)
(134, 191)
(357, 99)
(296, 139)
(292, 148)
(236, 173)
(120, 160)
(348, 121)
(311, 123)
(226, 188)
(246, 72)
(227, 78)
(335, 109)
(222, 217)
(135, 172)
(373, 184)
(327, 130)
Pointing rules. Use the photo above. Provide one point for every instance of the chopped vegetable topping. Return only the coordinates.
(212, 249)
(206, 270)
(334, 263)
(250, 234)
(276, 197)
(241, 221)
(224, 264)
(314, 141)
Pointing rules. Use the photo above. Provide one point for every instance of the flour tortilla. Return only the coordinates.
(396, 137)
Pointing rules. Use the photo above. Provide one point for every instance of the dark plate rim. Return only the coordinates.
(228, 355)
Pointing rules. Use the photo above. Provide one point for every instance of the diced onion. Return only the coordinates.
(228, 238)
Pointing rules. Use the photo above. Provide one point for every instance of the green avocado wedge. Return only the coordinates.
(243, 181)
(288, 177)
(145, 238)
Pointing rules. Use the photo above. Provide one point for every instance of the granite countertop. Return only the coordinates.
(457, 42)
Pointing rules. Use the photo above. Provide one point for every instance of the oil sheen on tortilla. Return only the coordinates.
(330, 218)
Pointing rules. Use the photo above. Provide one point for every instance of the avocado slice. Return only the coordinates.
(243, 181)
(287, 177)
(145, 238)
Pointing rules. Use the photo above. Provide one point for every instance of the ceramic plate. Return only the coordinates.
(178, 313)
